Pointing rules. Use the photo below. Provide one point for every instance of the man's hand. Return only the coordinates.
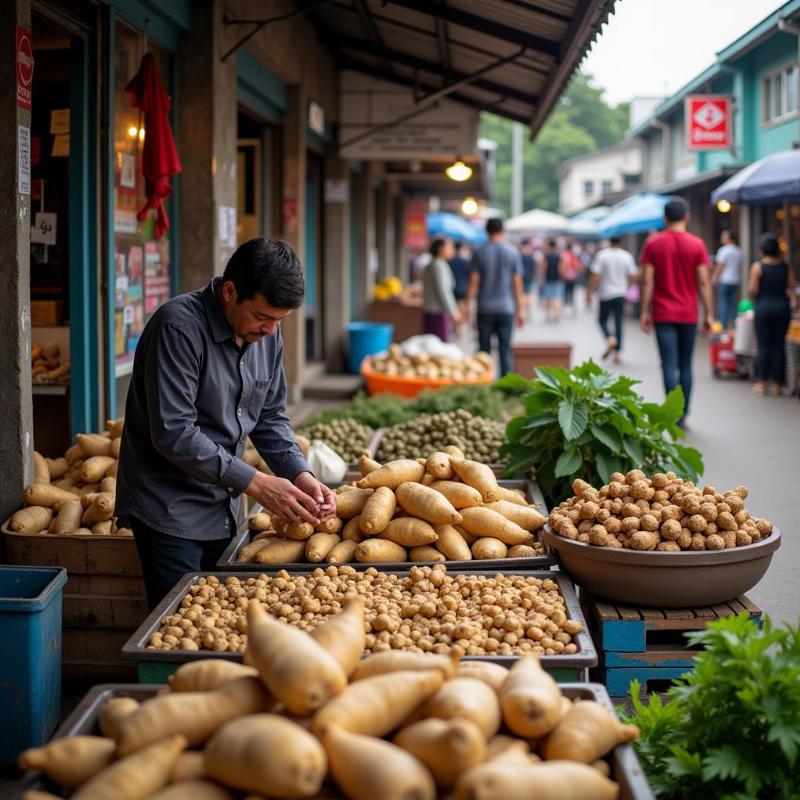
(520, 318)
(457, 317)
(285, 499)
(319, 492)
(646, 321)
(708, 323)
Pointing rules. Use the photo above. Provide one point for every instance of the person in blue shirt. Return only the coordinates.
(208, 374)
(459, 265)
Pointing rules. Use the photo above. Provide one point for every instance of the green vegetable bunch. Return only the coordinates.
(589, 423)
(731, 728)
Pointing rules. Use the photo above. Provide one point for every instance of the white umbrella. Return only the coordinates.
(537, 221)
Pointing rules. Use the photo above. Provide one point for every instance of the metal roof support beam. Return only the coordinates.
(371, 28)
(441, 42)
(482, 25)
(368, 69)
(337, 41)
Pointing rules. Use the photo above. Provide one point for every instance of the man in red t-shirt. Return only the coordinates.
(674, 272)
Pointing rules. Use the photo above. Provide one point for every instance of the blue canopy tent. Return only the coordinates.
(586, 224)
(637, 214)
(454, 227)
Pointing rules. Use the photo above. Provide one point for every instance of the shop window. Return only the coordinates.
(779, 93)
(141, 268)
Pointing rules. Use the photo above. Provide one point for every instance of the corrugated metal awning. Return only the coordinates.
(429, 45)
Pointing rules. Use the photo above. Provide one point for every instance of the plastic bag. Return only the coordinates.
(431, 345)
(326, 464)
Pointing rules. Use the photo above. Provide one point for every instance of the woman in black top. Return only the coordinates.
(770, 281)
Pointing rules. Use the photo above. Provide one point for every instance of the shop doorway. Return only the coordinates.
(63, 282)
(258, 178)
(313, 258)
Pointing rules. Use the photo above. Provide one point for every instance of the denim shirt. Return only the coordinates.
(194, 399)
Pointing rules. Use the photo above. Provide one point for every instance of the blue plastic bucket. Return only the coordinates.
(366, 339)
(30, 656)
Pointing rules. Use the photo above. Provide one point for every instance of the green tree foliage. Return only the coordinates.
(581, 122)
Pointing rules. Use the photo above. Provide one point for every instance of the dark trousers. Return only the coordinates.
(569, 292)
(616, 307)
(772, 321)
(675, 346)
(165, 559)
(501, 326)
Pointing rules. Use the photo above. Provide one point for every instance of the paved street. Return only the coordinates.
(744, 439)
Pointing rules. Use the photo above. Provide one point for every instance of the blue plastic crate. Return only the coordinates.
(30, 656)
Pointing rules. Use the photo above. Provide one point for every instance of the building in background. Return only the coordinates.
(601, 177)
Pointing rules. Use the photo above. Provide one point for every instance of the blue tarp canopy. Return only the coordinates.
(454, 227)
(637, 214)
(772, 179)
(586, 224)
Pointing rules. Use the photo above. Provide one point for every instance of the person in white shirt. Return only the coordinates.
(727, 276)
(612, 272)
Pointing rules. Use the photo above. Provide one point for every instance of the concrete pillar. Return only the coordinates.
(336, 261)
(746, 243)
(385, 214)
(365, 240)
(294, 226)
(207, 145)
(400, 265)
(16, 417)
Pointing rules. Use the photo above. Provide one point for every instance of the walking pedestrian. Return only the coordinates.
(571, 270)
(552, 281)
(439, 306)
(611, 273)
(496, 281)
(528, 273)
(674, 272)
(459, 266)
(771, 278)
(727, 275)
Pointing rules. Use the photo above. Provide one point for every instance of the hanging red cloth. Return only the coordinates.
(159, 154)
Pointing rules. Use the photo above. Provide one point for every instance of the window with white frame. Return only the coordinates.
(779, 94)
(607, 187)
(588, 188)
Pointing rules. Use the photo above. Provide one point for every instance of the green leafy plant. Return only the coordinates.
(731, 728)
(588, 423)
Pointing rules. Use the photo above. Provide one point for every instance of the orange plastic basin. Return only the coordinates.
(379, 383)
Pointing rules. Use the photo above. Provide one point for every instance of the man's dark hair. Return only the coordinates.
(494, 226)
(437, 245)
(525, 242)
(676, 209)
(768, 244)
(615, 240)
(733, 237)
(267, 267)
(552, 243)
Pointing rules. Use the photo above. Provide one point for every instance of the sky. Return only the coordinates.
(653, 47)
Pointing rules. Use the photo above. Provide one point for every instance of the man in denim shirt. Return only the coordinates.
(207, 374)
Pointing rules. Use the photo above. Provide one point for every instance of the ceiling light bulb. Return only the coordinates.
(723, 206)
(469, 206)
(459, 171)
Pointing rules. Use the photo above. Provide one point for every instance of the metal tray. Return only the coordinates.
(625, 767)
(569, 666)
(227, 561)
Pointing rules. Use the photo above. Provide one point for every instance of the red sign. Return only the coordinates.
(415, 234)
(24, 68)
(709, 122)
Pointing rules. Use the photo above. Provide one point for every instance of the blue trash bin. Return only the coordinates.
(367, 339)
(30, 656)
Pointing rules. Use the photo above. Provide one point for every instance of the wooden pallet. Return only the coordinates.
(648, 644)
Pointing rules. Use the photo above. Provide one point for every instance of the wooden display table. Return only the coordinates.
(648, 644)
(404, 315)
(528, 356)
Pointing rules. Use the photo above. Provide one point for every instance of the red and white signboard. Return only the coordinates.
(709, 122)
(24, 68)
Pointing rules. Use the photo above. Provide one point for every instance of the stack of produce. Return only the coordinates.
(46, 364)
(427, 610)
(480, 439)
(423, 365)
(663, 513)
(441, 508)
(346, 436)
(74, 494)
(388, 288)
(309, 711)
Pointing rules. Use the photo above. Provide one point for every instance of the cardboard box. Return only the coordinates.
(46, 312)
